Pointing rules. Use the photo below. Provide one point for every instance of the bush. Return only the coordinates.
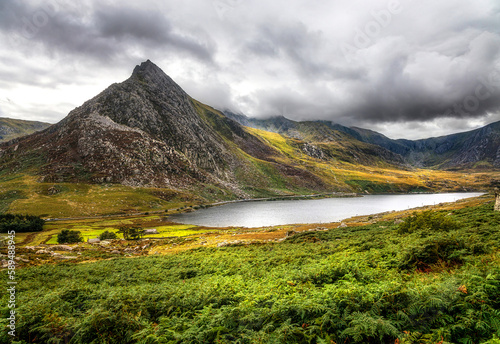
(427, 221)
(69, 237)
(108, 235)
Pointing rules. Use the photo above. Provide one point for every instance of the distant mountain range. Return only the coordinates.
(476, 149)
(13, 128)
(147, 132)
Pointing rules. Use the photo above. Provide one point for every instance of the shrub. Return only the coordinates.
(108, 235)
(427, 221)
(69, 237)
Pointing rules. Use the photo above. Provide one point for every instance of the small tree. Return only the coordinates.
(69, 237)
(107, 235)
(131, 233)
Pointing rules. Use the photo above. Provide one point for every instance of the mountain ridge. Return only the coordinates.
(464, 150)
(146, 131)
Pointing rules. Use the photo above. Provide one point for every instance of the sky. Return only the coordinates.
(405, 68)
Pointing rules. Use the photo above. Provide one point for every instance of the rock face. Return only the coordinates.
(153, 103)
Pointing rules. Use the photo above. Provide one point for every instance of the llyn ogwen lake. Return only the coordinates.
(273, 213)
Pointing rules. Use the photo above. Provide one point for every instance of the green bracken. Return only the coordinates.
(368, 284)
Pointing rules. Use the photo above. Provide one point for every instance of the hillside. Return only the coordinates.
(13, 128)
(147, 131)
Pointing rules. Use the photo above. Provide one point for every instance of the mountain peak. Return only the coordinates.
(147, 67)
(149, 73)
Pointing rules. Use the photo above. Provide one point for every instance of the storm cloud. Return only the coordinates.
(406, 68)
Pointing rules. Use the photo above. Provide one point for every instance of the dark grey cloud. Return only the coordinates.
(148, 27)
(426, 62)
(426, 65)
(470, 90)
(102, 32)
(301, 47)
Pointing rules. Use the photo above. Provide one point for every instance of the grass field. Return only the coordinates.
(92, 228)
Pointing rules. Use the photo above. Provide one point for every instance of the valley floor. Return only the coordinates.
(174, 237)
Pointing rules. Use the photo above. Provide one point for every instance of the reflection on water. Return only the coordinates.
(257, 214)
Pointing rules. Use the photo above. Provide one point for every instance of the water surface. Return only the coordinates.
(273, 213)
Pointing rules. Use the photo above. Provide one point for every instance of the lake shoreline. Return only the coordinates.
(258, 214)
(333, 195)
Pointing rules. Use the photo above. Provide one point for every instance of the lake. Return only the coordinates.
(273, 213)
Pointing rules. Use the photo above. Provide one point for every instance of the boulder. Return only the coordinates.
(61, 248)
(151, 231)
(230, 243)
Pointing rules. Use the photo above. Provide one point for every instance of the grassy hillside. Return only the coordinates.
(382, 283)
(12, 128)
(22, 194)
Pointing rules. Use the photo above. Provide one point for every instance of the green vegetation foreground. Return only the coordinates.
(433, 279)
